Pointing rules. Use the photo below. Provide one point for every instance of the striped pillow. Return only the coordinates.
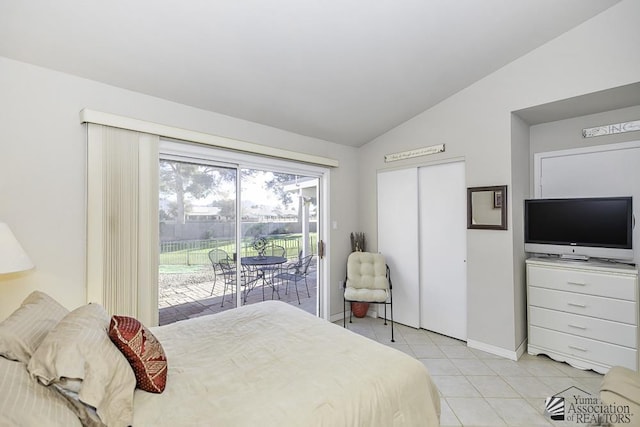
(143, 351)
(26, 403)
(77, 355)
(23, 331)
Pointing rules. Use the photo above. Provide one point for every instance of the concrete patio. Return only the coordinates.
(187, 295)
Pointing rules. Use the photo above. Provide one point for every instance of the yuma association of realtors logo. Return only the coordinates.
(554, 408)
(583, 408)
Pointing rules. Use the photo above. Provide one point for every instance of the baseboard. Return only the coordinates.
(498, 351)
(522, 349)
(336, 317)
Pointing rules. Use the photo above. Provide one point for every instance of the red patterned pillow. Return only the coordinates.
(142, 350)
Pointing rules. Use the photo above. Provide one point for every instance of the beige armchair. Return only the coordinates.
(621, 387)
(368, 280)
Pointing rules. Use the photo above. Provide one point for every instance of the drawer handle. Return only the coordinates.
(578, 348)
(577, 327)
(576, 283)
(575, 304)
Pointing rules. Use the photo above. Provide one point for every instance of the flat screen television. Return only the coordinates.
(599, 227)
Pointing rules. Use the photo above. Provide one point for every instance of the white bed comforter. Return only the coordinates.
(271, 364)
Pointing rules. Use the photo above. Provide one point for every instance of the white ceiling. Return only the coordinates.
(341, 70)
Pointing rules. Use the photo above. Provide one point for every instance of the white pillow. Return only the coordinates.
(23, 331)
(79, 348)
(366, 278)
(367, 270)
(26, 403)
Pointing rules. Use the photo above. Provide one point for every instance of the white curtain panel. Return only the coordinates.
(122, 221)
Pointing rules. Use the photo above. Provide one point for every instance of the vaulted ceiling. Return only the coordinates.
(340, 70)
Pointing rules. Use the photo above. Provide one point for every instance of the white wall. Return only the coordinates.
(42, 173)
(476, 124)
(520, 177)
(567, 134)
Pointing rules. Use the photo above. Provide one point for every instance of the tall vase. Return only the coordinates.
(357, 242)
(359, 309)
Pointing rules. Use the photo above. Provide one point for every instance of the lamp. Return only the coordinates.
(12, 257)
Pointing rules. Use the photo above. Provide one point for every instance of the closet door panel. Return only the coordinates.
(398, 240)
(443, 243)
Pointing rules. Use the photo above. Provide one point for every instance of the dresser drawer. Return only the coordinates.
(587, 327)
(585, 282)
(585, 305)
(583, 348)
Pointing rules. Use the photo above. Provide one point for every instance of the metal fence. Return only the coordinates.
(195, 252)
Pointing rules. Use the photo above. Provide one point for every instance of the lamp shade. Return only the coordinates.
(12, 256)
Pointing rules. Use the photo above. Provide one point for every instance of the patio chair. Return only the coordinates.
(296, 272)
(368, 280)
(224, 267)
(215, 255)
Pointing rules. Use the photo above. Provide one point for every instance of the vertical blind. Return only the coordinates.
(122, 221)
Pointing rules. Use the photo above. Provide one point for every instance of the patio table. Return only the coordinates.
(261, 265)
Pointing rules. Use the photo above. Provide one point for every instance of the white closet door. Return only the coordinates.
(398, 240)
(443, 249)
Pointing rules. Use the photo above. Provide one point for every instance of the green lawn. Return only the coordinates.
(187, 259)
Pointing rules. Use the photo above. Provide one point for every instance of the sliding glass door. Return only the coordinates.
(235, 233)
(197, 239)
(279, 235)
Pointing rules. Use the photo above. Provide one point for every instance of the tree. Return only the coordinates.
(227, 207)
(276, 184)
(190, 180)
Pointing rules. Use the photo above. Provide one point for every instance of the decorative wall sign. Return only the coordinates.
(425, 151)
(611, 129)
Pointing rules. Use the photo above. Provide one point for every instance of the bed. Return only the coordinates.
(267, 364)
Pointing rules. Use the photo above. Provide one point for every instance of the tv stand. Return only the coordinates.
(574, 257)
(583, 313)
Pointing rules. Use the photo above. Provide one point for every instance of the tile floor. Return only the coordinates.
(481, 389)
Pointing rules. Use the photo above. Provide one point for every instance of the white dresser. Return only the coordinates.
(583, 313)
